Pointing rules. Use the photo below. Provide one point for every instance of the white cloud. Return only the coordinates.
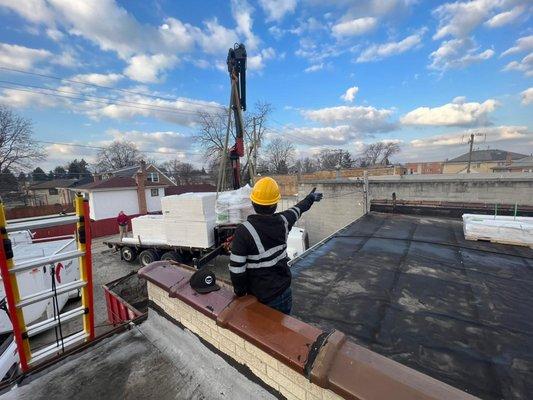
(148, 68)
(354, 27)
(314, 68)
(67, 58)
(523, 44)
(257, 62)
(458, 53)
(277, 9)
(20, 57)
(322, 136)
(350, 93)
(527, 96)
(505, 17)
(377, 52)
(457, 113)
(242, 13)
(36, 11)
(55, 34)
(491, 134)
(361, 119)
(458, 19)
(152, 141)
(22, 99)
(525, 65)
(215, 38)
(98, 79)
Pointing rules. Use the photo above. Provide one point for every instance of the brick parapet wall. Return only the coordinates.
(273, 373)
(294, 358)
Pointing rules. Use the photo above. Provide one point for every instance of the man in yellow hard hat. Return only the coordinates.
(258, 261)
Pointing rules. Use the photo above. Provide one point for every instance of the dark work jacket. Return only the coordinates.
(258, 261)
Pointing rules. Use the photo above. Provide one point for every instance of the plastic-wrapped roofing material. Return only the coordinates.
(234, 206)
(189, 207)
(148, 228)
(499, 229)
(413, 289)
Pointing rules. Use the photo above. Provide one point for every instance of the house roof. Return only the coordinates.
(117, 182)
(202, 187)
(487, 155)
(125, 172)
(56, 183)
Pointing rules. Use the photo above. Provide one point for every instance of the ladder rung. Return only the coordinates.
(56, 346)
(50, 323)
(37, 262)
(45, 294)
(42, 223)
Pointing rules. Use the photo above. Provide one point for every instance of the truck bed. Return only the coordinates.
(413, 289)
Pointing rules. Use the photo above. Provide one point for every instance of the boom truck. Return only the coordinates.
(150, 250)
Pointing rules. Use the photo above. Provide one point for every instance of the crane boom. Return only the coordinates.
(237, 72)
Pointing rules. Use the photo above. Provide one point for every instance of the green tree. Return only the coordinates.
(39, 175)
(78, 169)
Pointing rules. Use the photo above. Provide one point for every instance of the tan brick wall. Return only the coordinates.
(275, 374)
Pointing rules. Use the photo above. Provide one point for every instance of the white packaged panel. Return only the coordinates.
(190, 233)
(148, 228)
(189, 207)
(500, 229)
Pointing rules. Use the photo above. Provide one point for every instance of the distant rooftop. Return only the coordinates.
(117, 182)
(56, 183)
(193, 188)
(487, 155)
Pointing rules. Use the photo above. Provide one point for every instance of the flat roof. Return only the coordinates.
(413, 289)
(154, 360)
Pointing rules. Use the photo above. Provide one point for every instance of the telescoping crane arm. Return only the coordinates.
(237, 72)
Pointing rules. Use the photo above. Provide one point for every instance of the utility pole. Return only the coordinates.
(255, 147)
(471, 141)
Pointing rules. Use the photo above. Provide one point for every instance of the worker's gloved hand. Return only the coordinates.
(315, 196)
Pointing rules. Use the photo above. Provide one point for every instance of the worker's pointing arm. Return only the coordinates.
(294, 213)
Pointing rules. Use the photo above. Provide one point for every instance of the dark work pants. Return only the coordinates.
(283, 302)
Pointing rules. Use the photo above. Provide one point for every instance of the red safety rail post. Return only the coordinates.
(12, 293)
(83, 235)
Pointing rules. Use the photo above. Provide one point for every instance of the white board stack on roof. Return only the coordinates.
(499, 229)
(189, 219)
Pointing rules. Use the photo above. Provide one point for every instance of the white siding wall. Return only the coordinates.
(108, 204)
(154, 203)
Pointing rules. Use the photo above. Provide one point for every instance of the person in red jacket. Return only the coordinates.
(122, 221)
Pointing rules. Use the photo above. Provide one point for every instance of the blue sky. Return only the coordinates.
(338, 73)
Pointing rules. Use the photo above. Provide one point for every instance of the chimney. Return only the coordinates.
(97, 177)
(140, 179)
(508, 159)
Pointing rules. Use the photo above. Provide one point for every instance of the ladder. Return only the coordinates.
(22, 332)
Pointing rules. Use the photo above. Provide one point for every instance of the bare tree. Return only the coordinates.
(119, 154)
(334, 158)
(181, 172)
(211, 135)
(18, 150)
(379, 153)
(279, 154)
(306, 165)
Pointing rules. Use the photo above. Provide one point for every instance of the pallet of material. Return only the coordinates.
(516, 231)
(148, 227)
(189, 207)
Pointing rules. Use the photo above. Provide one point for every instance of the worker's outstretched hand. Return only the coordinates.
(315, 196)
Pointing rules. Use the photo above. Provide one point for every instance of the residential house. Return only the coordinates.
(424, 168)
(153, 174)
(522, 165)
(195, 188)
(51, 192)
(107, 197)
(481, 161)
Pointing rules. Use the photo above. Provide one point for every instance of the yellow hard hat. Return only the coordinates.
(265, 192)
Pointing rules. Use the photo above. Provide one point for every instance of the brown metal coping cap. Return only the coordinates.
(355, 372)
(283, 337)
(163, 274)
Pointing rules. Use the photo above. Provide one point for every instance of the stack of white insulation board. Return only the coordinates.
(148, 229)
(499, 229)
(189, 219)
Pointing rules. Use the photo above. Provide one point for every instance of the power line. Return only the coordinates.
(111, 88)
(99, 97)
(103, 148)
(87, 99)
